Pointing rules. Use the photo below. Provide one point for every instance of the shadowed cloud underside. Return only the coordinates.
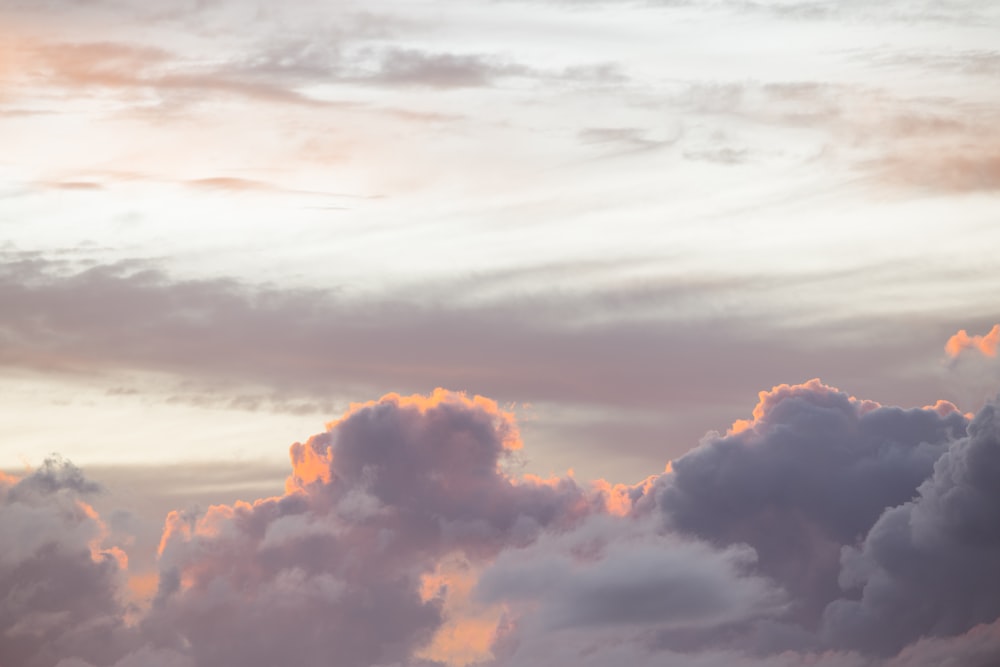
(405, 536)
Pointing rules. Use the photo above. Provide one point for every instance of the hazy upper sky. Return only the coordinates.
(222, 222)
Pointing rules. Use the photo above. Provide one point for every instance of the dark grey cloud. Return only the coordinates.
(715, 562)
(54, 476)
(723, 155)
(967, 12)
(812, 473)
(930, 567)
(622, 140)
(334, 566)
(946, 171)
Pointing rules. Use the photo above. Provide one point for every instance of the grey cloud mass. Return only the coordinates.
(813, 473)
(930, 567)
(100, 318)
(372, 504)
(623, 347)
(344, 567)
(58, 582)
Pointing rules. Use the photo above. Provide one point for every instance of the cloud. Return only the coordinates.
(929, 567)
(59, 581)
(985, 344)
(812, 471)
(825, 530)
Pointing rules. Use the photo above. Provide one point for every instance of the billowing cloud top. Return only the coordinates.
(985, 344)
(826, 530)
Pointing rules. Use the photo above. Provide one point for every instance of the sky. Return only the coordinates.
(499, 332)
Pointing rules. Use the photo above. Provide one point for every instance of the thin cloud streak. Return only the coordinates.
(303, 343)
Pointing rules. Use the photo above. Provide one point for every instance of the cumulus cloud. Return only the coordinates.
(335, 566)
(591, 337)
(59, 581)
(930, 566)
(812, 471)
(824, 530)
(984, 344)
(613, 572)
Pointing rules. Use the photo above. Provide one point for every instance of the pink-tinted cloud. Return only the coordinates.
(781, 483)
(372, 505)
(829, 530)
(609, 572)
(984, 344)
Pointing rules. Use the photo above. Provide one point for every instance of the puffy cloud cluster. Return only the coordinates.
(930, 567)
(826, 530)
(810, 473)
(336, 566)
(58, 582)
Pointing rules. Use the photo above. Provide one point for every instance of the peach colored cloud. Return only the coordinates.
(985, 345)
(814, 387)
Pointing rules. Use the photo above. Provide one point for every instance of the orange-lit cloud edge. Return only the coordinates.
(985, 344)
(470, 627)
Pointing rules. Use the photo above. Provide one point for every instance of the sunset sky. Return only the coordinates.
(499, 332)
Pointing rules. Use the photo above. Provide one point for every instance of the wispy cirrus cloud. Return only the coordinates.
(279, 73)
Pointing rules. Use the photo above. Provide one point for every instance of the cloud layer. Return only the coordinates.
(826, 530)
(650, 362)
